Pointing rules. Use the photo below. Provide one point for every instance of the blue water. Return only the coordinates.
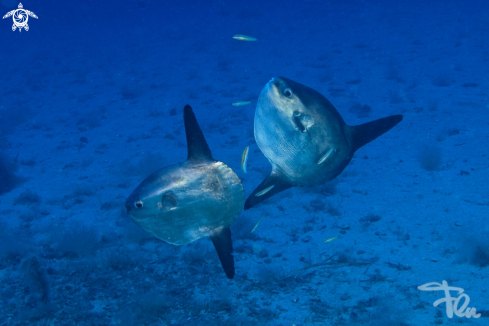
(91, 103)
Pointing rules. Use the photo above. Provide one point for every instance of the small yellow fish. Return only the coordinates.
(264, 191)
(240, 37)
(240, 103)
(330, 239)
(244, 159)
(257, 223)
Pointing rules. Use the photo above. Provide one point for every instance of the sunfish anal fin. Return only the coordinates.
(197, 147)
(275, 183)
(221, 238)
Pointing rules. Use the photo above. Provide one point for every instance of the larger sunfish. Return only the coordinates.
(200, 197)
(305, 138)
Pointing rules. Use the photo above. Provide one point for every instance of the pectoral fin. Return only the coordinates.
(223, 243)
(273, 184)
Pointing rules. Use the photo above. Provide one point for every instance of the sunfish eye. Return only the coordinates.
(168, 201)
(288, 92)
(138, 204)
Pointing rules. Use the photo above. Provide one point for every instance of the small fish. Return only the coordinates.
(325, 156)
(244, 159)
(257, 223)
(264, 191)
(240, 103)
(330, 239)
(240, 37)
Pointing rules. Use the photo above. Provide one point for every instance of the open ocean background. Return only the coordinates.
(91, 102)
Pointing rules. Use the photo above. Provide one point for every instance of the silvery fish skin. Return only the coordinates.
(209, 196)
(184, 202)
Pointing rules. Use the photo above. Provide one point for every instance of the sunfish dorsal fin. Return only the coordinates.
(273, 184)
(197, 147)
(223, 243)
(365, 133)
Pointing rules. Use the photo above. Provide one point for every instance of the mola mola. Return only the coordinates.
(184, 202)
(305, 138)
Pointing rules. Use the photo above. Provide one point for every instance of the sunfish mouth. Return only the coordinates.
(297, 121)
